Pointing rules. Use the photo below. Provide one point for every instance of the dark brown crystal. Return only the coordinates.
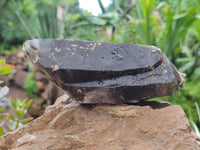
(99, 72)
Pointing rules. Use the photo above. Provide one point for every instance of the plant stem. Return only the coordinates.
(102, 6)
(18, 120)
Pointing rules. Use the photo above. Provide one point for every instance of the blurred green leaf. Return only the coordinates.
(5, 69)
(21, 104)
(11, 117)
(143, 22)
(176, 27)
(28, 104)
(13, 103)
(95, 20)
(18, 112)
(198, 111)
(196, 129)
(18, 101)
(2, 117)
(30, 86)
(30, 65)
(2, 61)
(186, 66)
(102, 6)
(2, 109)
(26, 120)
(1, 131)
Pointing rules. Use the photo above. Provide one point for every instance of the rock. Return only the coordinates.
(20, 55)
(41, 85)
(51, 93)
(127, 127)
(98, 72)
(39, 76)
(19, 78)
(20, 67)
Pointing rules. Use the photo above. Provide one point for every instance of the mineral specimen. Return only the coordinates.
(99, 72)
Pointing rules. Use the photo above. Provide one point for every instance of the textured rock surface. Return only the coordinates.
(124, 127)
(98, 72)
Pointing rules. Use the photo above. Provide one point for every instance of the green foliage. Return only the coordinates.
(144, 22)
(25, 19)
(191, 49)
(11, 32)
(175, 29)
(10, 122)
(2, 109)
(43, 23)
(110, 17)
(30, 84)
(161, 25)
(7, 121)
(4, 69)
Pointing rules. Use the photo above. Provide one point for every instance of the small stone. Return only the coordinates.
(41, 85)
(64, 99)
(19, 78)
(20, 55)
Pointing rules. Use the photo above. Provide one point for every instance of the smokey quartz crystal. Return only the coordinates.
(100, 72)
